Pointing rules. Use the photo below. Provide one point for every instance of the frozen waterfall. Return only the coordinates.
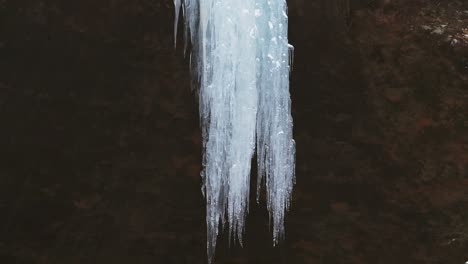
(241, 62)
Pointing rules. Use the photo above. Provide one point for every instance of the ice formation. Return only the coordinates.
(241, 62)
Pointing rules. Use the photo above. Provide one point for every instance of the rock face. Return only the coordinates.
(101, 144)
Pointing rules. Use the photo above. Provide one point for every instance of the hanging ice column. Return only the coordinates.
(240, 54)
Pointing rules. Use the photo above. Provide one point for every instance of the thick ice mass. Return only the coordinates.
(241, 59)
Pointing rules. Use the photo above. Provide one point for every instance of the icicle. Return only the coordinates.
(177, 5)
(242, 61)
(276, 148)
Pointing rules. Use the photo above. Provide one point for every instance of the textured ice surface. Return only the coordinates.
(240, 58)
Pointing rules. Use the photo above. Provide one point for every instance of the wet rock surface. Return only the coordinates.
(101, 149)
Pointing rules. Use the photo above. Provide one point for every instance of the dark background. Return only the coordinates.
(100, 144)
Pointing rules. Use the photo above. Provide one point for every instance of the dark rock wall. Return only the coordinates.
(100, 144)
